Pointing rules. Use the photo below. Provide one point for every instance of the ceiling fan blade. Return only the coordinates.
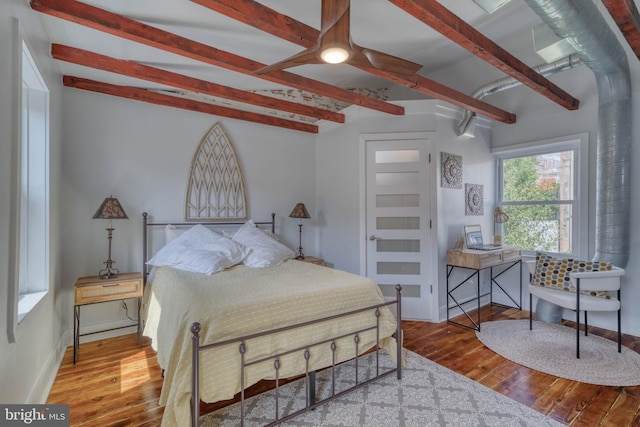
(335, 33)
(369, 58)
(307, 56)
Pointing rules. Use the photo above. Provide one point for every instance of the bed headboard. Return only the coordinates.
(148, 225)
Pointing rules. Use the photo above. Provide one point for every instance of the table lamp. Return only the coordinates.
(499, 217)
(300, 211)
(110, 209)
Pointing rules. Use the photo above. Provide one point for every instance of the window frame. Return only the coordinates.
(29, 86)
(579, 144)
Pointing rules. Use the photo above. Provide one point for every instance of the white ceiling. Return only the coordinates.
(376, 24)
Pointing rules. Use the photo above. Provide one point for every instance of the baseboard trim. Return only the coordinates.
(41, 388)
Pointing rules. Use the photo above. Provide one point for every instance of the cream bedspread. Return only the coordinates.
(240, 301)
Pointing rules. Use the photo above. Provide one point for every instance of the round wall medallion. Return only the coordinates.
(474, 199)
(451, 170)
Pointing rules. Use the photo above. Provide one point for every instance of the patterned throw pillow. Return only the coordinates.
(554, 273)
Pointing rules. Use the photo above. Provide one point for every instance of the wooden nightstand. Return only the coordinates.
(312, 260)
(93, 290)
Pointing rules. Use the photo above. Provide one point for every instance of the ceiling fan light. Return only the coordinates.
(334, 55)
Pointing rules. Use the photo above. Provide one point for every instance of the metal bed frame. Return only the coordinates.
(146, 225)
(305, 351)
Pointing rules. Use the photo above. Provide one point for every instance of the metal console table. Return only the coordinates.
(504, 260)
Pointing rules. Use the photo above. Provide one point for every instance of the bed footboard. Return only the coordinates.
(309, 374)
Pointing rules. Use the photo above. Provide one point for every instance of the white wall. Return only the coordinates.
(538, 119)
(141, 154)
(338, 182)
(29, 365)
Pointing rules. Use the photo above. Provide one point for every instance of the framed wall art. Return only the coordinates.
(215, 189)
(474, 199)
(451, 170)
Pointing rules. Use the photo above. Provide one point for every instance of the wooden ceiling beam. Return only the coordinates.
(156, 75)
(625, 14)
(432, 13)
(152, 97)
(266, 19)
(120, 26)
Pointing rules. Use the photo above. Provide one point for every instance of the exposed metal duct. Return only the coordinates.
(586, 29)
(505, 83)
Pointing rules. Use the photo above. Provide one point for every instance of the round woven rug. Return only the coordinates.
(551, 348)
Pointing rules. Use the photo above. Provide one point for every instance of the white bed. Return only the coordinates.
(242, 300)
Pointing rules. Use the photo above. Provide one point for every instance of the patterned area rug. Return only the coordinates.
(427, 395)
(551, 348)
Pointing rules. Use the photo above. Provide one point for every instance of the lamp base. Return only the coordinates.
(109, 272)
(109, 275)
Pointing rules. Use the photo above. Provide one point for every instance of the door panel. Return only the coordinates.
(397, 221)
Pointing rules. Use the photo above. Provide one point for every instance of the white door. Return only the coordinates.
(398, 224)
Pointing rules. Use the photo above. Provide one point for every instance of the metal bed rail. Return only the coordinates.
(309, 376)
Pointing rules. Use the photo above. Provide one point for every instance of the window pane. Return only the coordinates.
(397, 200)
(398, 245)
(397, 178)
(541, 178)
(398, 268)
(408, 291)
(398, 223)
(397, 156)
(540, 227)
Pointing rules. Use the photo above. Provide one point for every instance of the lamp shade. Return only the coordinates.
(500, 216)
(110, 209)
(300, 211)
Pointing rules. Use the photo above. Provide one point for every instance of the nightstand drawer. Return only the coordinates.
(90, 290)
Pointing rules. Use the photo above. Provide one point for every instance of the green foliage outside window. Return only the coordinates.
(533, 226)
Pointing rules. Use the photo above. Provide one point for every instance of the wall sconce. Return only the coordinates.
(300, 211)
(499, 217)
(110, 209)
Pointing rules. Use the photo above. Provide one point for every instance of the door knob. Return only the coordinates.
(372, 237)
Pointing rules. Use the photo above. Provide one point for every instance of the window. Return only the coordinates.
(539, 188)
(32, 239)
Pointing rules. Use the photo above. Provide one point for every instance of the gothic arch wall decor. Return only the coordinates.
(216, 188)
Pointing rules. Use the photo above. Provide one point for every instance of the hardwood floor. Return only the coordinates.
(116, 383)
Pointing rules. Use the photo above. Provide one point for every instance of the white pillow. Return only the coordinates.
(200, 250)
(265, 250)
(171, 232)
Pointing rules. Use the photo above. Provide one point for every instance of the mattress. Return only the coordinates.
(241, 301)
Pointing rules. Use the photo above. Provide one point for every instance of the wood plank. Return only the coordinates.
(598, 407)
(183, 103)
(130, 29)
(156, 75)
(432, 13)
(93, 386)
(266, 19)
(627, 18)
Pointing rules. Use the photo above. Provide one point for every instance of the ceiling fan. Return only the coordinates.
(334, 46)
